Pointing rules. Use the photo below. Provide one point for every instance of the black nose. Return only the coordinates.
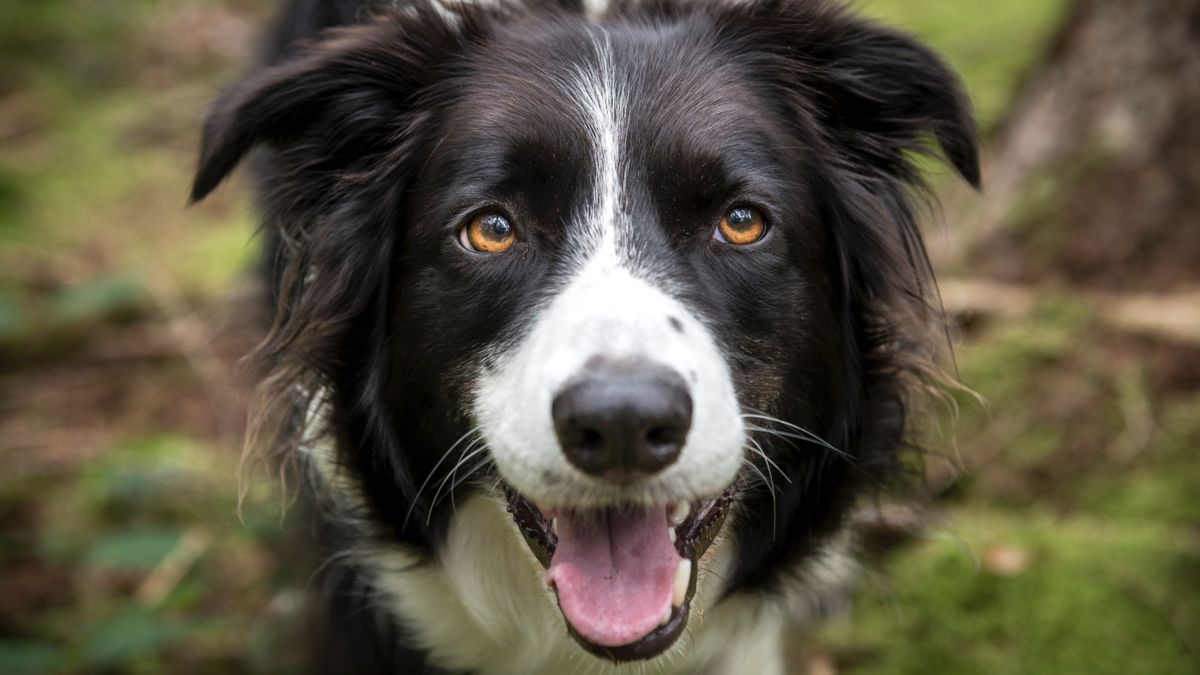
(623, 421)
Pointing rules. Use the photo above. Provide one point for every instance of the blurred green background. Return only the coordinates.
(1066, 531)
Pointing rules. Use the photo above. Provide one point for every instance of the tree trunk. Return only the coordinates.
(1094, 179)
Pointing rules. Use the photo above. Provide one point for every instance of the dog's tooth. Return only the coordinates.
(671, 534)
(679, 512)
(665, 617)
(554, 526)
(683, 577)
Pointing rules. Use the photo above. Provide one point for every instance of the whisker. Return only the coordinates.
(785, 423)
(758, 449)
(760, 415)
(417, 497)
(496, 484)
(770, 489)
(800, 437)
(803, 435)
(770, 475)
(762, 477)
(771, 486)
(470, 473)
(471, 451)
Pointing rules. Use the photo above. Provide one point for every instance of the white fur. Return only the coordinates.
(608, 309)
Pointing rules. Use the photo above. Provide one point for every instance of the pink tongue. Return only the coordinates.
(614, 572)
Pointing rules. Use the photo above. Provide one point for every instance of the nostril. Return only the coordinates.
(662, 437)
(583, 441)
(590, 439)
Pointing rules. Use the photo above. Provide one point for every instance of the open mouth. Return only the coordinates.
(624, 577)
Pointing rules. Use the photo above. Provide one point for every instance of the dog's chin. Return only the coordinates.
(624, 577)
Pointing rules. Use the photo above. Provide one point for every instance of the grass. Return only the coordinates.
(1085, 595)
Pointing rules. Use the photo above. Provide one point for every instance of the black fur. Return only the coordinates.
(379, 125)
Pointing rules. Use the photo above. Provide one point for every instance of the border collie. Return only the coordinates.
(594, 323)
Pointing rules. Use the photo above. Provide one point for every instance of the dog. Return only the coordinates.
(595, 323)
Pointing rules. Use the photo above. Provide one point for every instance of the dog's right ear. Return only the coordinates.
(357, 81)
(267, 107)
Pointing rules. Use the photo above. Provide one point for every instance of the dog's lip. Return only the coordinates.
(693, 536)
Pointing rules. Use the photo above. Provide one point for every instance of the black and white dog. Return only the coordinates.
(594, 323)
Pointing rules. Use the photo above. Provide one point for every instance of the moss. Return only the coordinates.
(1160, 480)
(998, 364)
(1091, 597)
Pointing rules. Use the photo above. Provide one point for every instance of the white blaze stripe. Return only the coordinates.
(602, 103)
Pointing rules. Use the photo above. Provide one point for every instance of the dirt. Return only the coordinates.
(1130, 225)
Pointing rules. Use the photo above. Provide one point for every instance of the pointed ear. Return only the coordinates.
(356, 81)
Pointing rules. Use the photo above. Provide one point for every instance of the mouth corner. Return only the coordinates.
(691, 528)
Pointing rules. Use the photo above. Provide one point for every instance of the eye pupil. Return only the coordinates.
(741, 217)
(497, 225)
(488, 233)
(740, 226)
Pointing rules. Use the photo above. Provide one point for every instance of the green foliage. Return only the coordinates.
(96, 299)
(13, 317)
(1092, 596)
(128, 517)
(30, 658)
(137, 550)
(1162, 483)
(44, 323)
(130, 637)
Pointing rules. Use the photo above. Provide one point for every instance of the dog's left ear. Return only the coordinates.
(891, 94)
(880, 93)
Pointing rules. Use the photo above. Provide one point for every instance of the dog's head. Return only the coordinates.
(638, 272)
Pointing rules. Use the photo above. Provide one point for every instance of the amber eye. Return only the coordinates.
(488, 233)
(742, 225)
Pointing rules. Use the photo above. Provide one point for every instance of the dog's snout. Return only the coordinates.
(623, 422)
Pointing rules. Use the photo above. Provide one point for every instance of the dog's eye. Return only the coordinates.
(742, 225)
(488, 233)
